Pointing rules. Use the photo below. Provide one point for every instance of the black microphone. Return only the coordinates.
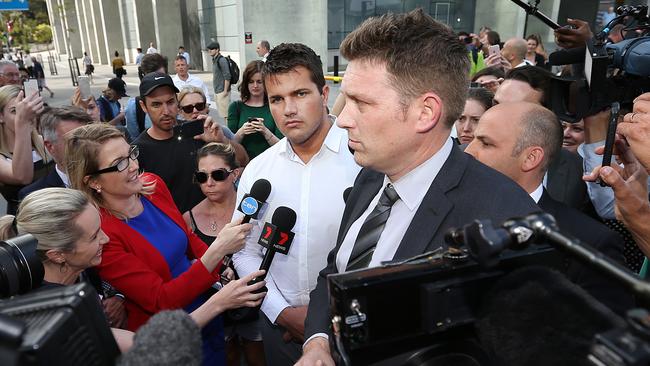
(252, 205)
(536, 316)
(168, 338)
(346, 194)
(276, 237)
(567, 57)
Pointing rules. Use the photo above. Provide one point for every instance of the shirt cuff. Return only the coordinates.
(322, 335)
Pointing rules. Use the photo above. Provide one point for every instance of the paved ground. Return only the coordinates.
(61, 85)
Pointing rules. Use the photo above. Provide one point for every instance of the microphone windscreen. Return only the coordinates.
(535, 316)
(284, 218)
(346, 194)
(261, 190)
(168, 338)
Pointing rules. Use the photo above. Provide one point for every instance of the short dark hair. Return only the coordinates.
(287, 56)
(117, 54)
(265, 44)
(179, 57)
(421, 55)
(139, 49)
(152, 62)
(251, 69)
(540, 127)
(492, 70)
(493, 37)
(179, 47)
(482, 96)
(538, 79)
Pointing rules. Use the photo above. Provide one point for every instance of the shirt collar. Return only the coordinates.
(536, 195)
(63, 176)
(332, 140)
(409, 187)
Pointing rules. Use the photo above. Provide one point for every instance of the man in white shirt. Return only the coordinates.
(399, 120)
(151, 49)
(308, 171)
(182, 52)
(263, 49)
(183, 78)
(514, 50)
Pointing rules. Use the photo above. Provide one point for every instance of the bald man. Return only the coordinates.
(520, 140)
(514, 50)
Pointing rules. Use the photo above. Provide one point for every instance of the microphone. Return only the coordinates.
(536, 316)
(276, 237)
(252, 205)
(168, 338)
(568, 56)
(346, 194)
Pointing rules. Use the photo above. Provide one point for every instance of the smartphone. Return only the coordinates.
(31, 86)
(189, 129)
(84, 86)
(611, 136)
(494, 50)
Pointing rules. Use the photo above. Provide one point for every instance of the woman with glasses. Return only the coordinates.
(216, 175)
(152, 257)
(250, 118)
(23, 157)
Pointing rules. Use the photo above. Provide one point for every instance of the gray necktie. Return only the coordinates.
(371, 230)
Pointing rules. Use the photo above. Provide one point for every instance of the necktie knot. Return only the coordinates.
(389, 196)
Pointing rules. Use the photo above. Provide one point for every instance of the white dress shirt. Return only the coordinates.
(63, 176)
(192, 81)
(536, 195)
(411, 189)
(314, 190)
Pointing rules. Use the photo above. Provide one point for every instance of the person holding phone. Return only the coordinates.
(250, 118)
(23, 157)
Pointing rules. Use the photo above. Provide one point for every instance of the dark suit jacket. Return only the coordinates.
(584, 228)
(51, 180)
(463, 190)
(565, 182)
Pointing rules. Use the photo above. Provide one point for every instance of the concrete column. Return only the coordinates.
(112, 30)
(81, 26)
(168, 28)
(145, 21)
(98, 29)
(91, 34)
(71, 23)
(191, 31)
(501, 15)
(57, 27)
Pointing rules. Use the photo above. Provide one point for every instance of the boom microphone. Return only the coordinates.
(168, 338)
(276, 237)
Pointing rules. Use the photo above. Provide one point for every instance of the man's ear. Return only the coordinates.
(429, 109)
(533, 158)
(48, 146)
(142, 105)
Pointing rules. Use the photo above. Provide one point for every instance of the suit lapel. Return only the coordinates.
(434, 208)
(53, 179)
(557, 178)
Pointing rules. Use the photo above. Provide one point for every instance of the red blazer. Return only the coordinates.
(137, 269)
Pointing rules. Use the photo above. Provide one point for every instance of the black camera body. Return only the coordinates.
(429, 302)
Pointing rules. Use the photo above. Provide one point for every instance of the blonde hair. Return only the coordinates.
(8, 93)
(190, 90)
(49, 215)
(82, 159)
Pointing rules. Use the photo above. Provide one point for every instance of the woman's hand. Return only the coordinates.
(238, 293)
(229, 240)
(27, 110)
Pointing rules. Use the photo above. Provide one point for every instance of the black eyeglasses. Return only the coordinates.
(121, 164)
(217, 175)
(190, 107)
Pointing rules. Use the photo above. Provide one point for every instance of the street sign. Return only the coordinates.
(14, 5)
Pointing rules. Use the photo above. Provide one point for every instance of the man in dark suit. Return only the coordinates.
(54, 124)
(564, 174)
(520, 140)
(405, 86)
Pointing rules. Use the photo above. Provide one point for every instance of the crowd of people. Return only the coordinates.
(147, 211)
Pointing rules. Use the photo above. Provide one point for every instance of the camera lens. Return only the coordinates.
(20, 268)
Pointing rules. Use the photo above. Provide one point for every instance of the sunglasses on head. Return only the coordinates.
(190, 107)
(217, 175)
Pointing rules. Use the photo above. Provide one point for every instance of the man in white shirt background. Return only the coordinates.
(151, 49)
(183, 78)
(182, 52)
(308, 170)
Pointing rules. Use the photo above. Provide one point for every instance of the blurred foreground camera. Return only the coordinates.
(20, 268)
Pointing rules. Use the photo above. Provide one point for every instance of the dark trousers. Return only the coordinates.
(277, 352)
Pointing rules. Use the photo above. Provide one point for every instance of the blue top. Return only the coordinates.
(170, 240)
(132, 119)
(164, 234)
